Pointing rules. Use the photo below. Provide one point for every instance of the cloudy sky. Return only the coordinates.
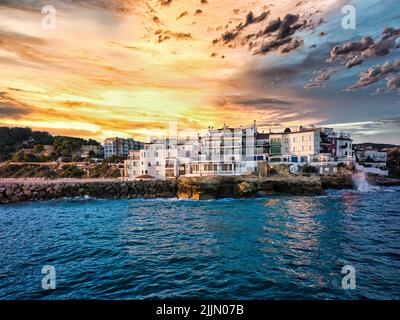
(128, 67)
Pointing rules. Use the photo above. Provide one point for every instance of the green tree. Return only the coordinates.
(38, 148)
(71, 171)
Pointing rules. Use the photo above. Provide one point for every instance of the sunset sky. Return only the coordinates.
(128, 67)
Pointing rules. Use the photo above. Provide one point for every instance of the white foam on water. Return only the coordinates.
(360, 180)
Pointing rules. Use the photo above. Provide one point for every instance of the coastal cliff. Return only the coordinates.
(243, 187)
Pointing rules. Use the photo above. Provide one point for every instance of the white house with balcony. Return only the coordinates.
(229, 151)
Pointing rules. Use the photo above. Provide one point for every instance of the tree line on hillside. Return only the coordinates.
(13, 140)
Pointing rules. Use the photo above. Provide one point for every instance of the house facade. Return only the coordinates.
(300, 146)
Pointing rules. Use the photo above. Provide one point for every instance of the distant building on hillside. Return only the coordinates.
(86, 151)
(372, 158)
(120, 147)
(48, 149)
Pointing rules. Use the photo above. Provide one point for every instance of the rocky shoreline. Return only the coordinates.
(184, 188)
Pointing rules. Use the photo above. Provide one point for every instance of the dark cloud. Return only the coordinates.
(322, 76)
(164, 3)
(357, 51)
(375, 74)
(229, 36)
(272, 45)
(277, 35)
(250, 19)
(261, 102)
(11, 108)
(183, 14)
(164, 35)
(355, 61)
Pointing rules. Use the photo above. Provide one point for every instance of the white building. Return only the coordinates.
(228, 151)
(300, 146)
(162, 159)
(120, 147)
(310, 145)
(340, 145)
(372, 158)
(236, 151)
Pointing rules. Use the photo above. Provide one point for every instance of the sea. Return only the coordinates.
(343, 245)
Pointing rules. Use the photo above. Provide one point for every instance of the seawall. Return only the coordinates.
(39, 191)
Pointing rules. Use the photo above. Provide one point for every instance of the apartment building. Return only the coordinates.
(120, 147)
(340, 145)
(236, 151)
(162, 159)
(310, 145)
(230, 151)
(299, 146)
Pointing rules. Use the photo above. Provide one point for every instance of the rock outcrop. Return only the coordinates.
(382, 181)
(242, 187)
(341, 181)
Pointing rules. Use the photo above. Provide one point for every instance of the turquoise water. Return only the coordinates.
(266, 248)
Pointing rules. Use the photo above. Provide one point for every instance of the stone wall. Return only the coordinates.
(25, 191)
